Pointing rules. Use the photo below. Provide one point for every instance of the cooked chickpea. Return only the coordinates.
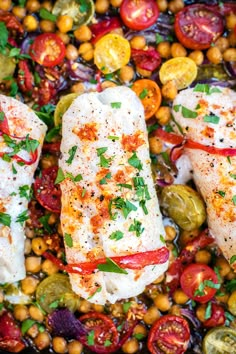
(126, 73)
(203, 256)
(33, 331)
(32, 6)
(162, 5)
(143, 72)
(175, 310)
(200, 312)
(33, 264)
(163, 115)
(187, 236)
(162, 302)
(64, 23)
(43, 340)
(75, 347)
(138, 42)
(230, 54)
(86, 51)
(5, 5)
(98, 308)
(178, 50)
(59, 345)
(21, 312)
(39, 246)
(28, 248)
(140, 329)
(83, 33)
(30, 23)
(175, 5)
(214, 55)
(64, 37)
(71, 52)
(49, 267)
(101, 6)
(85, 306)
(222, 43)
(155, 145)
(164, 49)
(197, 56)
(232, 39)
(159, 279)
(107, 83)
(29, 232)
(47, 26)
(130, 346)
(170, 233)
(48, 161)
(115, 3)
(222, 297)
(36, 314)
(19, 12)
(169, 90)
(117, 309)
(230, 21)
(231, 275)
(180, 297)
(223, 266)
(78, 88)
(47, 5)
(59, 228)
(151, 315)
(29, 285)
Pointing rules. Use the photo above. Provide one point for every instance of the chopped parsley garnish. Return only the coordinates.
(141, 192)
(234, 199)
(232, 259)
(208, 90)
(211, 119)
(2, 115)
(136, 227)
(113, 137)
(71, 153)
(232, 175)
(135, 162)
(26, 325)
(90, 337)
(206, 283)
(116, 235)
(121, 204)
(84, 6)
(124, 185)
(30, 145)
(159, 38)
(44, 221)
(3, 37)
(104, 179)
(25, 192)
(152, 127)
(162, 238)
(22, 217)
(83, 192)
(143, 94)
(47, 15)
(221, 193)
(5, 219)
(104, 162)
(111, 267)
(98, 290)
(115, 104)
(68, 240)
(61, 176)
(208, 311)
(107, 343)
(126, 306)
(186, 113)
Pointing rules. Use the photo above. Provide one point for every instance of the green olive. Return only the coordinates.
(7, 66)
(55, 291)
(220, 340)
(62, 106)
(184, 205)
(232, 303)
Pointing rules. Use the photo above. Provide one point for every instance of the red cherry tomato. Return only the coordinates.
(47, 49)
(46, 192)
(10, 334)
(199, 282)
(148, 59)
(103, 336)
(169, 334)
(103, 27)
(139, 15)
(198, 26)
(217, 316)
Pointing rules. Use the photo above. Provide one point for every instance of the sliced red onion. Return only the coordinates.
(78, 71)
(161, 182)
(27, 43)
(230, 68)
(176, 151)
(190, 315)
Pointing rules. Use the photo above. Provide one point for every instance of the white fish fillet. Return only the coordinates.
(214, 175)
(14, 180)
(84, 201)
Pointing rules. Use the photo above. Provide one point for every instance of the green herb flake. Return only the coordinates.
(2, 116)
(208, 311)
(234, 199)
(98, 290)
(232, 259)
(159, 38)
(104, 179)
(47, 15)
(107, 343)
(187, 113)
(139, 336)
(25, 192)
(22, 217)
(54, 304)
(126, 306)
(3, 37)
(221, 193)
(135, 162)
(162, 238)
(211, 119)
(72, 153)
(113, 137)
(116, 235)
(60, 176)
(143, 94)
(68, 240)
(5, 219)
(111, 267)
(90, 337)
(14, 170)
(44, 221)
(121, 204)
(116, 104)
(152, 127)
(205, 88)
(232, 175)
(177, 107)
(136, 227)
(124, 185)
(26, 325)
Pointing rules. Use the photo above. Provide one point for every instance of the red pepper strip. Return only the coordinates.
(133, 261)
(25, 78)
(4, 127)
(191, 144)
(99, 82)
(33, 158)
(53, 148)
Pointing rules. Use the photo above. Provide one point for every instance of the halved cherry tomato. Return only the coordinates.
(150, 95)
(219, 340)
(148, 59)
(103, 27)
(217, 316)
(198, 26)
(139, 15)
(169, 334)
(10, 334)
(46, 192)
(199, 282)
(47, 49)
(103, 336)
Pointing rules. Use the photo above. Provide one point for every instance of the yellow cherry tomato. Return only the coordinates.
(182, 70)
(111, 53)
(62, 106)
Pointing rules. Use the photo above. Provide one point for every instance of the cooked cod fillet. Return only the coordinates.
(209, 118)
(109, 203)
(21, 139)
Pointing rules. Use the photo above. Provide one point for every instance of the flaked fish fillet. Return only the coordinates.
(209, 118)
(19, 126)
(107, 134)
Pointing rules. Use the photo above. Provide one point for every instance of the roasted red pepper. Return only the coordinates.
(11, 21)
(25, 78)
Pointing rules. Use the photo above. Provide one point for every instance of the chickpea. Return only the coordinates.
(71, 52)
(47, 5)
(83, 33)
(164, 49)
(43, 340)
(163, 115)
(30, 23)
(230, 21)
(98, 308)
(19, 12)
(130, 346)
(175, 5)
(59, 228)
(117, 309)
(187, 236)
(138, 42)
(223, 298)
(39, 246)
(232, 39)
(222, 43)
(86, 51)
(175, 310)
(115, 3)
(178, 50)
(151, 315)
(49, 267)
(107, 83)
(140, 329)
(59, 345)
(48, 161)
(33, 331)
(36, 314)
(5, 5)
(200, 312)
(214, 55)
(162, 302)
(197, 56)
(126, 74)
(21, 312)
(33, 264)
(143, 72)
(159, 279)
(180, 297)
(29, 285)
(29, 232)
(155, 145)
(64, 23)
(64, 37)
(85, 306)
(162, 5)
(231, 275)
(32, 6)
(47, 26)
(27, 249)
(230, 54)
(203, 256)
(170, 233)
(101, 6)
(75, 347)
(223, 266)
(169, 90)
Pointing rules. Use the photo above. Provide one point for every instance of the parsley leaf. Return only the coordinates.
(5, 219)
(115, 104)
(116, 235)
(47, 15)
(135, 162)
(72, 153)
(22, 217)
(136, 227)
(3, 37)
(211, 119)
(111, 267)
(68, 240)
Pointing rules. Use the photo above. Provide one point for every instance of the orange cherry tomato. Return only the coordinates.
(150, 95)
